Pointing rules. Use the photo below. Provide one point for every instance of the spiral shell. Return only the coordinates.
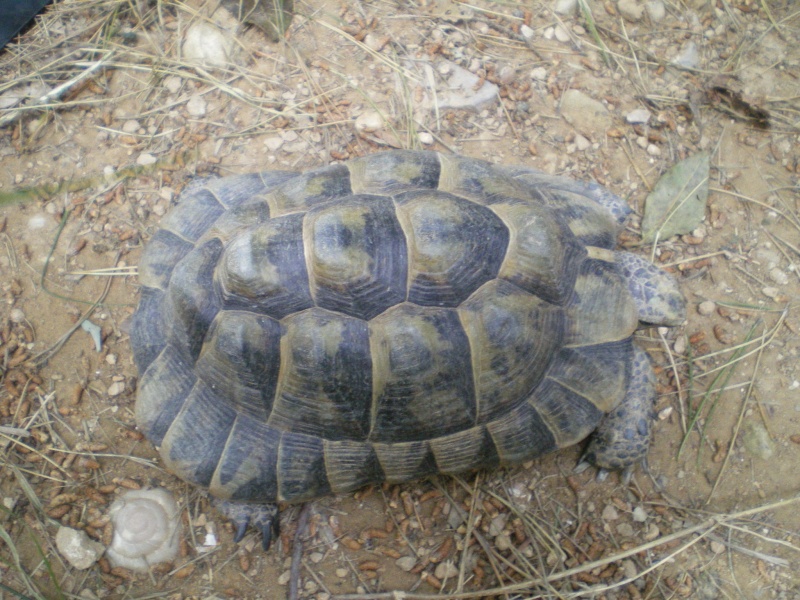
(146, 529)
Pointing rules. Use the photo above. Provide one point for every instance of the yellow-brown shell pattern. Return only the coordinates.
(378, 320)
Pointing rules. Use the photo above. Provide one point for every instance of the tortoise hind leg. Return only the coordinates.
(622, 439)
(263, 517)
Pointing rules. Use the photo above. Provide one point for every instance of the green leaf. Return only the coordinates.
(678, 203)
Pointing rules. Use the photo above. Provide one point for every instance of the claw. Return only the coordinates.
(263, 517)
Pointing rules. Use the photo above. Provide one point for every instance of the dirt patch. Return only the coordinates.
(100, 163)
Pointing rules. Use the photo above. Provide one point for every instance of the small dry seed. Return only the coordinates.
(369, 565)
(184, 572)
(350, 543)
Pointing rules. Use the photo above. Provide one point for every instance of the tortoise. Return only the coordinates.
(382, 319)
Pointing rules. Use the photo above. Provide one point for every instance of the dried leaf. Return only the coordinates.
(677, 204)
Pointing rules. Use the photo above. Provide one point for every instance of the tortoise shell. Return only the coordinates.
(382, 319)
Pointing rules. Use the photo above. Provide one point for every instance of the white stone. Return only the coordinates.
(445, 570)
(655, 10)
(173, 84)
(640, 115)
(706, 307)
(130, 126)
(80, 551)
(527, 32)
(582, 143)
(632, 10)
(206, 44)
(17, 316)
(406, 563)
(778, 276)
(116, 388)
(566, 7)
(539, 74)
(610, 513)
(562, 35)
(145, 159)
(273, 143)
(425, 138)
(639, 514)
(369, 121)
(196, 106)
(653, 150)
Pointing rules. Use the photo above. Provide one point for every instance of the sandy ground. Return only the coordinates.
(101, 163)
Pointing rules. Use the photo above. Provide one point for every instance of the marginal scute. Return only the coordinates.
(192, 303)
(464, 451)
(601, 309)
(307, 190)
(404, 461)
(351, 465)
(301, 464)
(325, 384)
(147, 328)
(164, 250)
(241, 355)
(389, 173)
(263, 269)
(479, 181)
(599, 374)
(521, 434)
(356, 256)
(454, 246)
(422, 374)
(542, 255)
(246, 468)
(161, 392)
(513, 337)
(196, 438)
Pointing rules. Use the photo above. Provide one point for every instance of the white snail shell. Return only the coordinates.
(146, 529)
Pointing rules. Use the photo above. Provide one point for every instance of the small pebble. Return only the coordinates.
(502, 542)
(406, 563)
(655, 10)
(639, 514)
(778, 276)
(273, 143)
(562, 35)
(79, 550)
(631, 10)
(173, 84)
(341, 572)
(527, 32)
(145, 159)
(116, 388)
(445, 570)
(653, 150)
(369, 122)
(130, 126)
(640, 115)
(196, 106)
(680, 345)
(425, 138)
(717, 547)
(582, 143)
(770, 292)
(565, 7)
(610, 513)
(625, 530)
(16, 315)
(283, 578)
(707, 307)
(316, 557)
(539, 74)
